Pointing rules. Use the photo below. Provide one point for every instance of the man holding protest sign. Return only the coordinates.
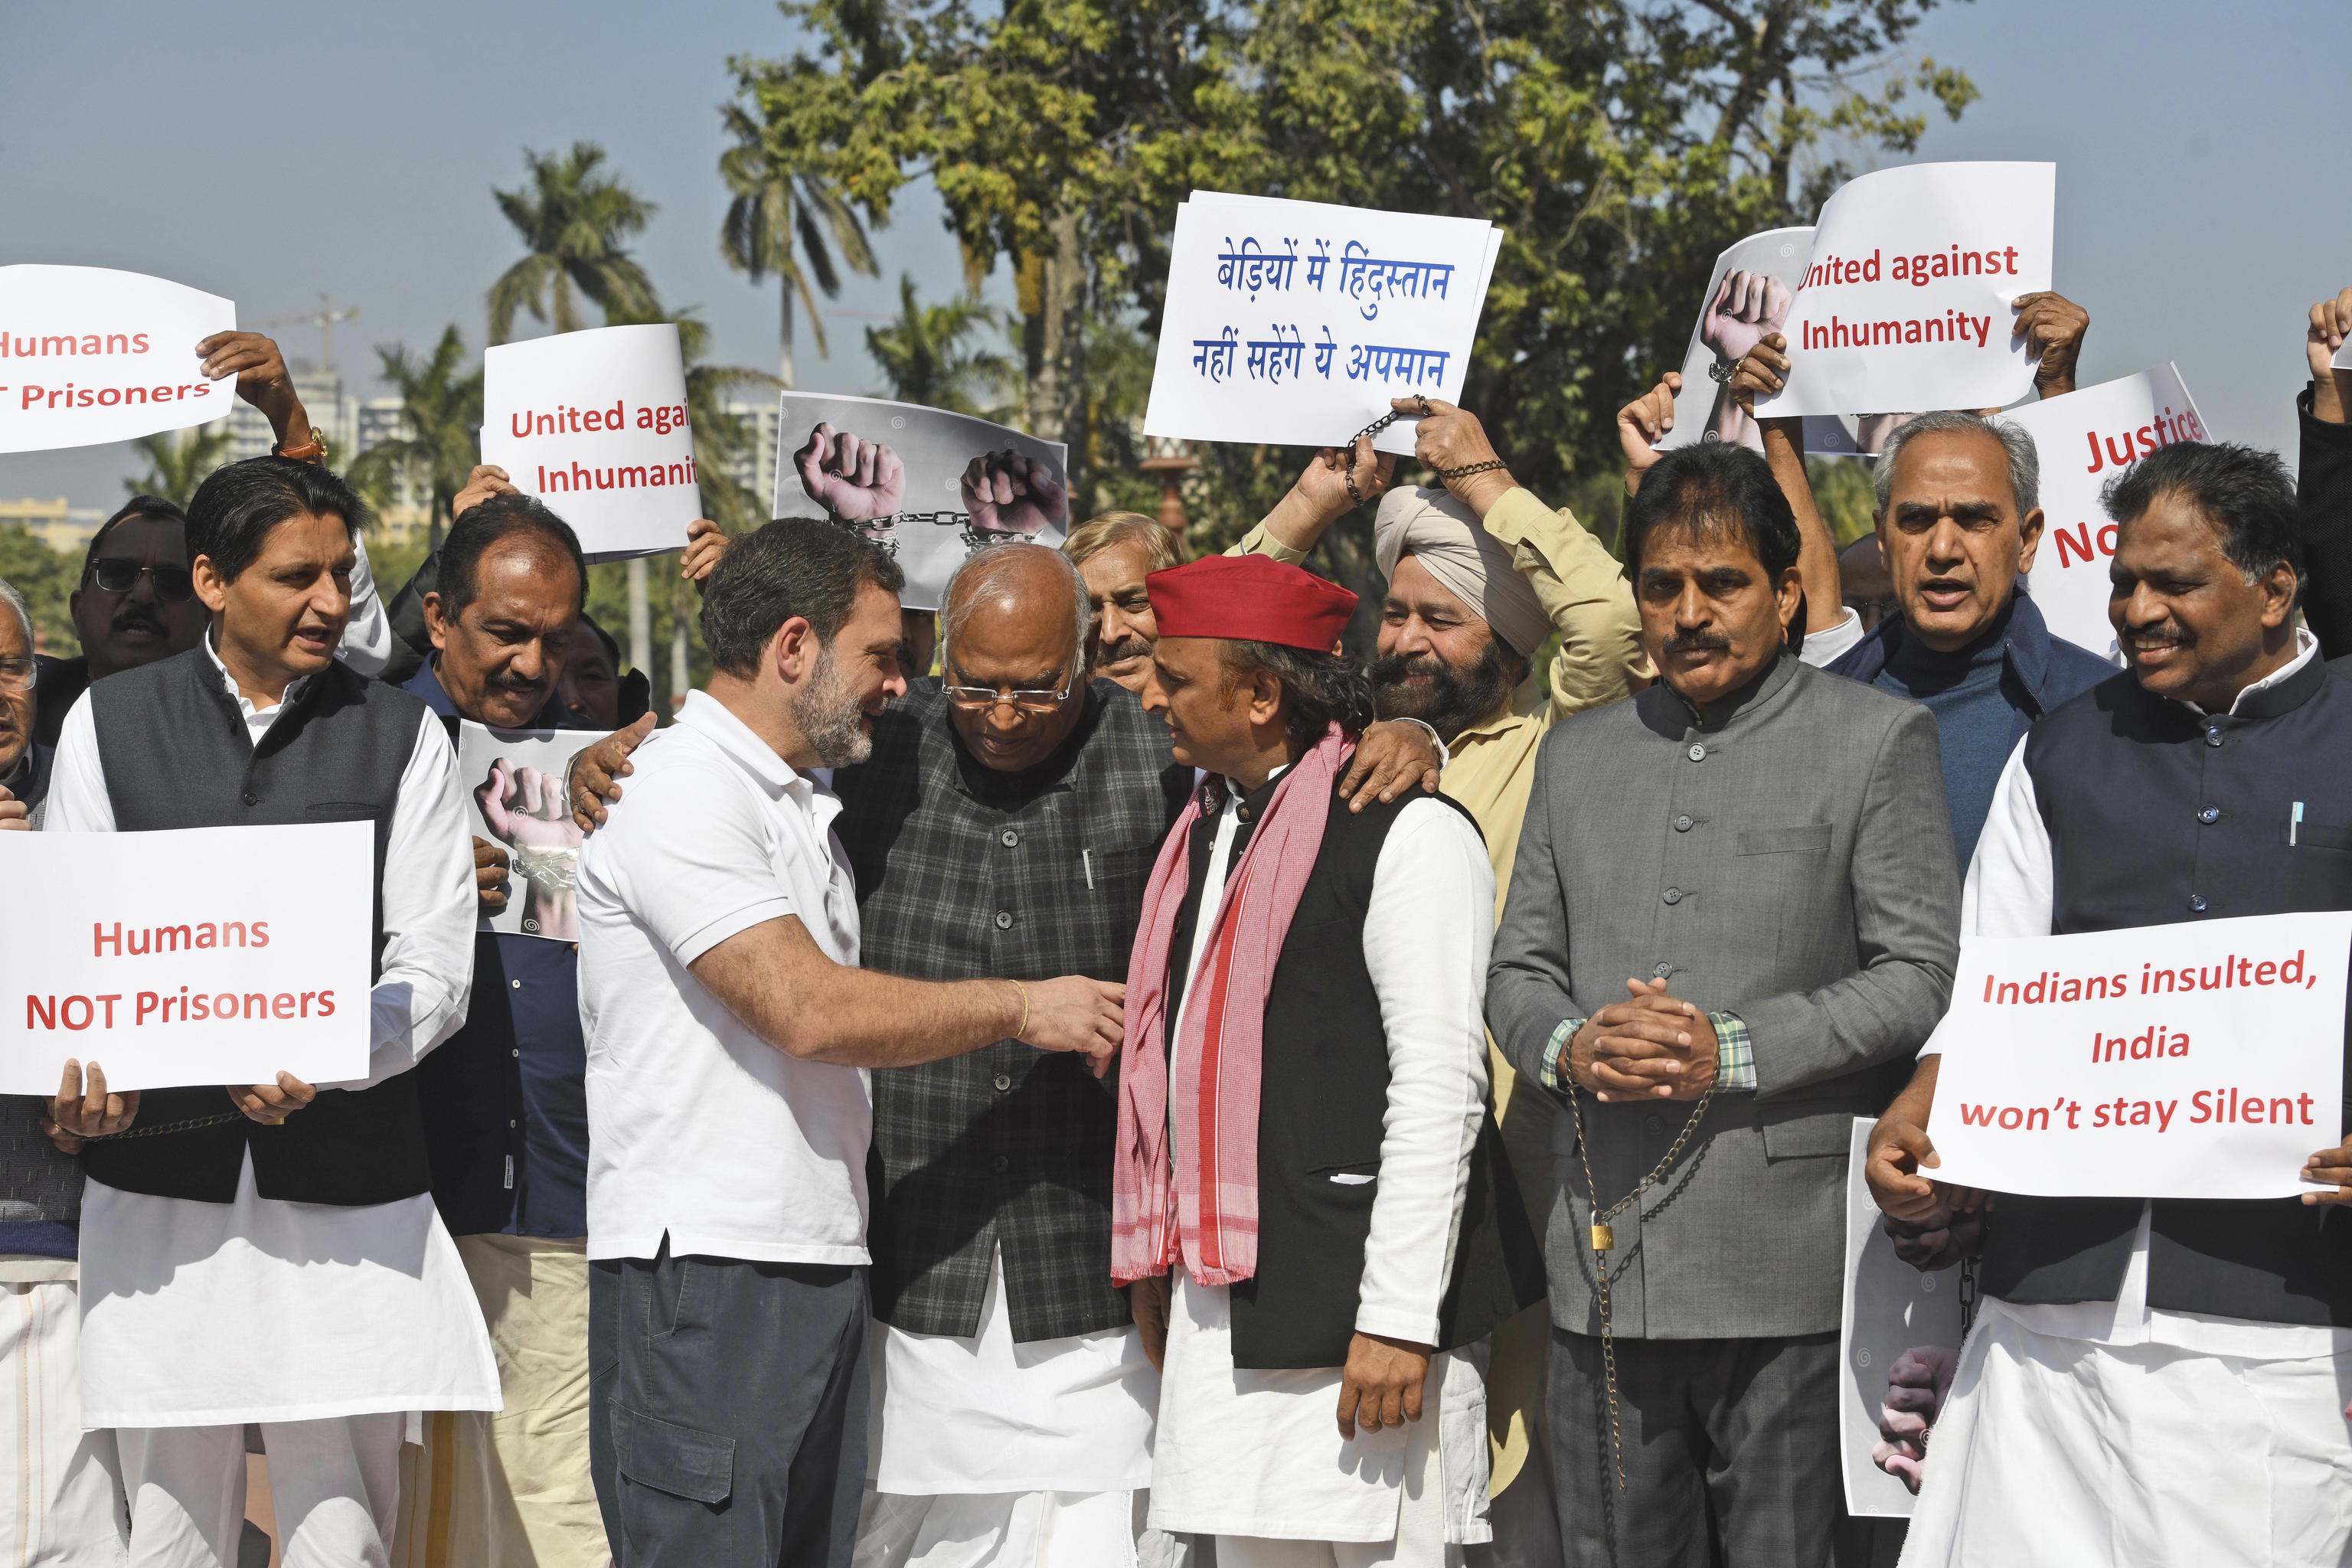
(2323, 477)
(2206, 784)
(1785, 833)
(505, 1098)
(297, 1277)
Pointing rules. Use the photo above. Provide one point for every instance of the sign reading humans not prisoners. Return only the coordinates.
(90, 355)
(193, 956)
(2199, 1060)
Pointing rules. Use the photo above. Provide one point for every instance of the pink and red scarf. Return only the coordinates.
(1201, 1207)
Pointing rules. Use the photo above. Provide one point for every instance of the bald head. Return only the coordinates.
(1013, 620)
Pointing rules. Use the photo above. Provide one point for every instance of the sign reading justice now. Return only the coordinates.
(195, 956)
(2202, 1060)
(594, 424)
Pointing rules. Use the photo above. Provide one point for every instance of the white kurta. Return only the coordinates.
(200, 1314)
(2110, 1433)
(1258, 1453)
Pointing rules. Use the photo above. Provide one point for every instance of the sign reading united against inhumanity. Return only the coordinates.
(2199, 1060)
(88, 354)
(2085, 439)
(594, 422)
(1295, 322)
(191, 956)
(1905, 298)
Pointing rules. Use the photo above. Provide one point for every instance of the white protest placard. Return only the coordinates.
(2085, 439)
(514, 784)
(1295, 322)
(928, 485)
(201, 955)
(2199, 1060)
(90, 354)
(1745, 299)
(594, 422)
(1905, 298)
(1890, 1309)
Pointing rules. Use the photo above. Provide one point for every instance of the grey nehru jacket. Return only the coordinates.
(1790, 860)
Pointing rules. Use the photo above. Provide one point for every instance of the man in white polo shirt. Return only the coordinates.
(729, 1034)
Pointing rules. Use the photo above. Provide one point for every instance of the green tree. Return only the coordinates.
(928, 355)
(46, 578)
(788, 224)
(441, 404)
(1620, 143)
(179, 460)
(574, 221)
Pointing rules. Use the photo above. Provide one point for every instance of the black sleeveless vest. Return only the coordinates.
(1323, 1096)
(2124, 781)
(176, 755)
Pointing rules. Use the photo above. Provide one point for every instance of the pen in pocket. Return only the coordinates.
(2294, 826)
(1086, 857)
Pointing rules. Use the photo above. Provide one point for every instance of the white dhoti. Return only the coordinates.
(985, 1453)
(61, 1496)
(2061, 1451)
(1256, 1459)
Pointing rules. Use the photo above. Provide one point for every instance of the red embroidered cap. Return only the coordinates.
(1250, 598)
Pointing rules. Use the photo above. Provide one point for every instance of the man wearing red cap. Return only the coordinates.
(1303, 1152)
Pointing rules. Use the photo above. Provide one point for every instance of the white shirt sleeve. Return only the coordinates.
(1428, 933)
(427, 976)
(689, 858)
(2010, 889)
(367, 636)
(1826, 647)
(77, 801)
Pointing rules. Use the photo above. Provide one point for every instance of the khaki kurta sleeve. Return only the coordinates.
(1258, 541)
(1583, 590)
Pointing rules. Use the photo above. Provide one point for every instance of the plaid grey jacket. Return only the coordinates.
(965, 872)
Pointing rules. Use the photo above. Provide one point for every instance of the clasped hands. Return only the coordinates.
(1648, 1047)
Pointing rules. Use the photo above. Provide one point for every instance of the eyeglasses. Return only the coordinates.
(16, 674)
(116, 576)
(1032, 700)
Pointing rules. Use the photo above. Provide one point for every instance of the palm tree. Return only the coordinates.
(442, 408)
(928, 356)
(572, 220)
(179, 460)
(775, 209)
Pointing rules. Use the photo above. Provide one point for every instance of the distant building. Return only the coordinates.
(64, 528)
(754, 464)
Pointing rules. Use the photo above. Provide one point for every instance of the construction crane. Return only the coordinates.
(325, 318)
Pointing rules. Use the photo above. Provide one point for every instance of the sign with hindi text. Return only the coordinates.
(2085, 439)
(1295, 322)
(90, 355)
(207, 955)
(2199, 1060)
(594, 424)
(1904, 303)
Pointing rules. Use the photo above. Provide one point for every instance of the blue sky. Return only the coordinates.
(267, 156)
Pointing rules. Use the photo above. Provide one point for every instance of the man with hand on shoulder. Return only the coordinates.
(505, 1098)
(2213, 1333)
(207, 1301)
(730, 1033)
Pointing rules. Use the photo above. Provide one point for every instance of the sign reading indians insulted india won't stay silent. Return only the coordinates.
(88, 354)
(2198, 1060)
(594, 424)
(189, 956)
(1906, 292)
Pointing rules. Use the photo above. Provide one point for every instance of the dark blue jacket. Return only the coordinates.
(2039, 670)
(505, 1097)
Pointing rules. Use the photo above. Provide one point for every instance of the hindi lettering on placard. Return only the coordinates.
(1323, 352)
(1213, 357)
(1249, 266)
(1318, 263)
(1362, 273)
(1272, 358)
(1395, 362)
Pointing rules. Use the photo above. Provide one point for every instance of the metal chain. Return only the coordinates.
(1374, 429)
(185, 1124)
(1466, 470)
(1967, 1295)
(1604, 1239)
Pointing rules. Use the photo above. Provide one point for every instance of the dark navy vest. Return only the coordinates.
(1322, 1102)
(176, 755)
(2127, 784)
